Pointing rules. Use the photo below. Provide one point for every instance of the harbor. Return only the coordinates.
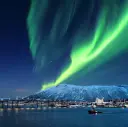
(21, 104)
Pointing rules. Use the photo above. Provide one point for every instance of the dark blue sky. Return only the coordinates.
(16, 64)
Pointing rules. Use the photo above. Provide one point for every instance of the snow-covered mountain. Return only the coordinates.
(73, 92)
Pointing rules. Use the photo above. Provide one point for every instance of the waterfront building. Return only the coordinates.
(99, 101)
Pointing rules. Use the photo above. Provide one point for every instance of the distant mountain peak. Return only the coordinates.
(74, 92)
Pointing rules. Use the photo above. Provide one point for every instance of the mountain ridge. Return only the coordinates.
(88, 93)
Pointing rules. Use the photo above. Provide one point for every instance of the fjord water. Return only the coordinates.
(78, 117)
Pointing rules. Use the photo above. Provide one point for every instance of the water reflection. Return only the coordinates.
(49, 116)
(27, 117)
(1, 113)
(62, 118)
(13, 118)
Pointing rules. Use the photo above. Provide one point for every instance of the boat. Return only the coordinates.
(94, 112)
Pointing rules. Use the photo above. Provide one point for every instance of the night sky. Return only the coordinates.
(18, 76)
(16, 64)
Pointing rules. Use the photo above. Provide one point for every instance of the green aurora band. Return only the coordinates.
(109, 39)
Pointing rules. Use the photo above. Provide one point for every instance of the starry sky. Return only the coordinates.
(24, 67)
(16, 64)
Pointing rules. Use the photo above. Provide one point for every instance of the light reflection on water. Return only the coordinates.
(63, 118)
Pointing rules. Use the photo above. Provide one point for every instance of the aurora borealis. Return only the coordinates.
(90, 32)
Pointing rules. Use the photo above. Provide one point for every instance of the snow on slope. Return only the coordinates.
(73, 92)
